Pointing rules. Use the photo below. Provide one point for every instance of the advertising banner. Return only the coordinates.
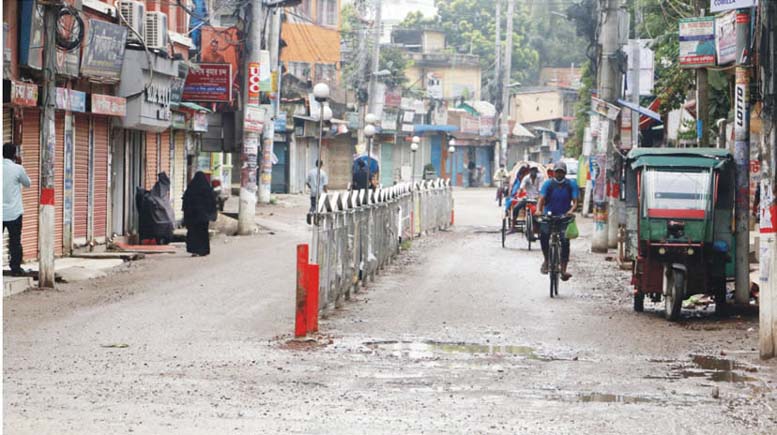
(103, 51)
(728, 5)
(726, 37)
(209, 83)
(697, 42)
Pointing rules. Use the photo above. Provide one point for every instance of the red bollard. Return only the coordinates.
(301, 322)
(452, 217)
(311, 284)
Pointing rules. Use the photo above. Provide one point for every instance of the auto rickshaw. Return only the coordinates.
(680, 208)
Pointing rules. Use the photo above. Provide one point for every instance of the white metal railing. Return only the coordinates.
(358, 233)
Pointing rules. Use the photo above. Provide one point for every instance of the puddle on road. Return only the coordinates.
(611, 398)
(432, 349)
(715, 369)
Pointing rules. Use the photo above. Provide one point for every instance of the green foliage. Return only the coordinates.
(574, 146)
(396, 61)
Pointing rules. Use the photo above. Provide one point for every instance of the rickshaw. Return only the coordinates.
(680, 204)
(517, 222)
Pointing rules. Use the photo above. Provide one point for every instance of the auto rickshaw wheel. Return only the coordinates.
(674, 291)
(639, 301)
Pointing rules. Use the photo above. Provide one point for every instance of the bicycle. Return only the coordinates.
(554, 225)
(528, 231)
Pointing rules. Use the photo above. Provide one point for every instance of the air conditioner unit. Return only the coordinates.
(156, 30)
(133, 15)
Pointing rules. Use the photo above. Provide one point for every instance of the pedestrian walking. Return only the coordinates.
(199, 208)
(14, 177)
(317, 182)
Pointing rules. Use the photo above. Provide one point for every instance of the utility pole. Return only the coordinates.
(362, 61)
(609, 88)
(47, 148)
(375, 64)
(742, 158)
(497, 71)
(768, 213)
(702, 95)
(508, 63)
(246, 223)
(273, 44)
(636, 53)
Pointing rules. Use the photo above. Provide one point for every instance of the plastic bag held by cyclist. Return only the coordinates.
(558, 197)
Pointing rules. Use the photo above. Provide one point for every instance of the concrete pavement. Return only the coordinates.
(459, 336)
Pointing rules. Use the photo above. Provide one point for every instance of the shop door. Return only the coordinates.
(437, 154)
(30, 154)
(280, 170)
(99, 203)
(387, 164)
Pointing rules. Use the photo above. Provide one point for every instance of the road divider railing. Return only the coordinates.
(358, 233)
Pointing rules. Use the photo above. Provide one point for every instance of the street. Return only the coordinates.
(457, 336)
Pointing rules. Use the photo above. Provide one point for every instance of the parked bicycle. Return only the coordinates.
(555, 226)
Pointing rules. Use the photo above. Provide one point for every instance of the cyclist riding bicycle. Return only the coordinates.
(558, 197)
(501, 179)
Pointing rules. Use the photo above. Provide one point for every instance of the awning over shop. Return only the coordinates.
(194, 106)
(428, 128)
(641, 110)
(520, 131)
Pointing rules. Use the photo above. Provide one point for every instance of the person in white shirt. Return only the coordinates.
(14, 177)
(316, 186)
(531, 185)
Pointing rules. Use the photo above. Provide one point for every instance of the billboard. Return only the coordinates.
(209, 83)
(697, 42)
(221, 45)
(726, 37)
(728, 5)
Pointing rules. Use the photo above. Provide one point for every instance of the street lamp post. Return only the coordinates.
(321, 94)
(369, 132)
(451, 151)
(413, 149)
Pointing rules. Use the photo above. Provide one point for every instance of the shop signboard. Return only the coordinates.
(103, 51)
(24, 94)
(254, 119)
(109, 105)
(697, 42)
(200, 122)
(728, 5)
(70, 100)
(209, 83)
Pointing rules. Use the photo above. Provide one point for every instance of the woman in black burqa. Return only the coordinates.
(199, 208)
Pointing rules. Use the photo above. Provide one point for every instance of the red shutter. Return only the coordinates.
(102, 126)
(165, 154)
(81, 177)
(31, 162)
(151, 153)
(59, 183)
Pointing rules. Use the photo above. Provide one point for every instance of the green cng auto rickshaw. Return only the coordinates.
(680, 205)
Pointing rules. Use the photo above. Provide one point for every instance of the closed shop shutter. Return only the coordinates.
(81, 178)
(31, 161)
(151, 160)
(102, 126)
(338, 162)
(59, 183)
(179, 174)
(7, 137)
(164, 154)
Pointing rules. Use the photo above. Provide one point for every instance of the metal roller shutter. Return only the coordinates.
(179, 173)
(7, 137)
(81, 178)
(31, 161)
(59, 183)
(164, 154)
(102, 128)
(151, 160)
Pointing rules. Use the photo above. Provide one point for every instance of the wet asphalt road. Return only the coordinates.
(458, 336)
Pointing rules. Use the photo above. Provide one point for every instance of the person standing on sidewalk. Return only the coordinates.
(316, 185)
(199, 208)
(14, 177)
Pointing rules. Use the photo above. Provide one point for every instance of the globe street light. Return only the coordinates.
(451, 151)
(413, 148)
(321, 94)
(370, 131)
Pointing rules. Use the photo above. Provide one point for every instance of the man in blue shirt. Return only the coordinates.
(14, 177)
(558, 197)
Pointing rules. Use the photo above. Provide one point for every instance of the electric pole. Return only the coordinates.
(768, 213)
(375, 61)
(742, 158)
(702, 95)
(47, 149)
(246, 223)
(508, 62)
(609, 90)
(497, 71)
(273, 44)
